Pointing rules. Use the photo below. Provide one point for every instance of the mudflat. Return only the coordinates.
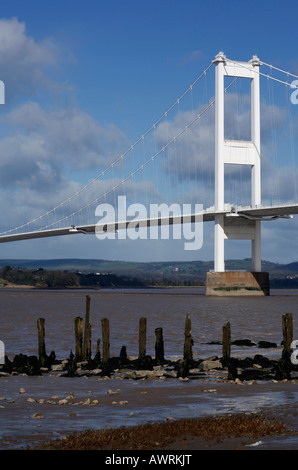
(175, 414)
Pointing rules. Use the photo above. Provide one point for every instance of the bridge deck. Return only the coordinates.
(207, 215)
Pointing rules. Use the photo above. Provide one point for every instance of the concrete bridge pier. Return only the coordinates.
(237, 283)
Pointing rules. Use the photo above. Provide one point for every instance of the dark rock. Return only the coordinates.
(255, 374)
(33, 366)
(109, 366)
(263, 361)
(266, 344)
(232, 369)
(144, 363)
(71, 366)
(245, 363)
(283, 368)
(7, 367)
(182, 368)
(50, 360)
(243, 342)
(23, 364)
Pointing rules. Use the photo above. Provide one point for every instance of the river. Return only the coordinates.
(254, 318)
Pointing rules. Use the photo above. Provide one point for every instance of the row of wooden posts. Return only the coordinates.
(287, 334)
(83, 338)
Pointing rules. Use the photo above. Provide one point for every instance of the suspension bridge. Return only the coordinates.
(225, 147)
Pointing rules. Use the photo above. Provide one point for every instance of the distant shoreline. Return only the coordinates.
(93, 288)
(91, 273)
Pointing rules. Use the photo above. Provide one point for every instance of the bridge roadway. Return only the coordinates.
(207, 215)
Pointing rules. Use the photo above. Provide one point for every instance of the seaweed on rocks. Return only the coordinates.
(258, 367)
(22, 364)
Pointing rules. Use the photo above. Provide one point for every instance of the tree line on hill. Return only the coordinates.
(59, 279)
(54, 279)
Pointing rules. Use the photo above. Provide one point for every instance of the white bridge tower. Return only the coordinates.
(237, 152)
(229, 224)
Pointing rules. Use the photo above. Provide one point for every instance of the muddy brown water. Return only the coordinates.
(135, 402)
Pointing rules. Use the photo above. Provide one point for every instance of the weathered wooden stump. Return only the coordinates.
(123, 356)
(159, 347)
(287, 331)
(97, 357)
(142, 337)
(87, 332)
(79, 327)
(183, 368)
(285, 366)
(105, 325)
(187, 340)
(41, 341)
(226, 343)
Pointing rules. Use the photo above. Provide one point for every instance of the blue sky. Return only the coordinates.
(84, 80)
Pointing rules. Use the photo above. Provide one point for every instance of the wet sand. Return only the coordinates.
(38, 409)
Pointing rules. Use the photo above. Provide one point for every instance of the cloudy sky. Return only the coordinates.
(85, 80)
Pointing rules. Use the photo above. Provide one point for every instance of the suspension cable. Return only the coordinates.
(279, 70)
(123, 155)
(117, 160)
(149, 160)
(241, 64)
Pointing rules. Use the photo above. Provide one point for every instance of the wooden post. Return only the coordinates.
(79, 326)
(87, 332)
(183, 368)
(142, 337)
(123, 356)
(287, 331)
(284, 365)
(159, 347)
(97, 357)
(98, 346)
(187, 340)
(41, 341)
(226, 342)
(105, 340)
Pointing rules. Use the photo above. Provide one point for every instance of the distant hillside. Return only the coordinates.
(166, 270)
(179, 271)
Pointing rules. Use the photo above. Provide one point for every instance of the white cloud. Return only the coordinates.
(24, 62)
(15, 43)
(192, 56)
(47, 153)
(65, 136)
